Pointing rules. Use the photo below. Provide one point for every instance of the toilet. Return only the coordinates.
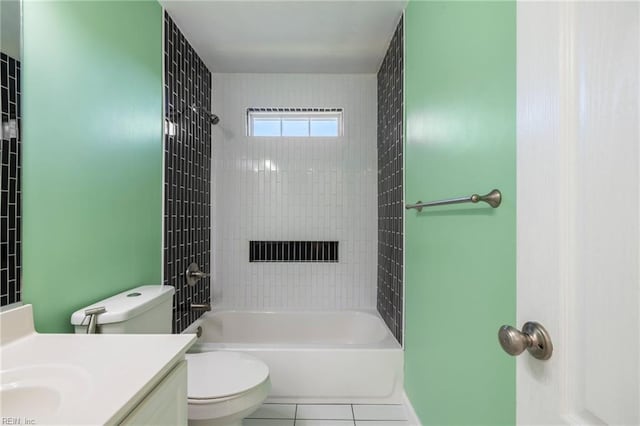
(240, 386)
(223, 387)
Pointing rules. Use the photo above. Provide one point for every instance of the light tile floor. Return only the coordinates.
(328, 415)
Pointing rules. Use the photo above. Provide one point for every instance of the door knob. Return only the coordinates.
(194, 274)
(533, 337)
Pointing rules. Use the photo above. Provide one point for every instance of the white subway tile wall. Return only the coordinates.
(294, 189)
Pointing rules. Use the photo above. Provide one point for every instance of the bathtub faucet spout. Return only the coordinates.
(201, 307)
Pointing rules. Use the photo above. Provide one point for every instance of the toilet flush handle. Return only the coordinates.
(93, 318)
(194, 274)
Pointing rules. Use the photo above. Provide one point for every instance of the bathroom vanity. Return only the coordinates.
(90, 379)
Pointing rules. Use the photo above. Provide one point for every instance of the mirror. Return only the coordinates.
(10, 210)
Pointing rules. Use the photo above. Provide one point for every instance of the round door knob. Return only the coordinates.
(512, 340)
(533, 337)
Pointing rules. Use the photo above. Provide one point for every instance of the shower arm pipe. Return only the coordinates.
(196, 109)
(176, 114)
(493, 198)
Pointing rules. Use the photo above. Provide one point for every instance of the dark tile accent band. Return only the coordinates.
(390, 192)
(10, 192)
(293, 251)
(187, 182)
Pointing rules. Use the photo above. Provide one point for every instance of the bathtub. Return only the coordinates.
(313, 357)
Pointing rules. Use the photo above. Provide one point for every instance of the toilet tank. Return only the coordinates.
(141, 310)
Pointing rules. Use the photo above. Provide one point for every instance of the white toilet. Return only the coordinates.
(223, 387)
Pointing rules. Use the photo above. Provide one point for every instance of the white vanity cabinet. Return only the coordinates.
(166, 404)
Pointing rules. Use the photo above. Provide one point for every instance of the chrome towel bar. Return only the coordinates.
(494, 198)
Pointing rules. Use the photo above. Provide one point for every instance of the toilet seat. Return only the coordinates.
(220, 375)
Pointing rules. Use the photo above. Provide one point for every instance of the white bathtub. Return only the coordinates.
(338, 356)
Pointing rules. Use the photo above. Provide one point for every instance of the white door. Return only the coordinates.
(578, 207)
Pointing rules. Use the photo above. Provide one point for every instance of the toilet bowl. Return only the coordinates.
(223, 387)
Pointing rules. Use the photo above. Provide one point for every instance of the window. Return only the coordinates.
(294, 122)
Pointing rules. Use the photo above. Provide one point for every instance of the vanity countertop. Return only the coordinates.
(80, 378)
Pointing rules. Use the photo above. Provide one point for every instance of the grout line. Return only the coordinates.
(295, 415)
(385, 404)
(269, 418)
(353, 414)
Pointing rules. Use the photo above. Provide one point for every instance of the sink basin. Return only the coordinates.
(19, 401)
(40, 391)
(71, 379)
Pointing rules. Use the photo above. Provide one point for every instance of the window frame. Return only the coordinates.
(308, 114)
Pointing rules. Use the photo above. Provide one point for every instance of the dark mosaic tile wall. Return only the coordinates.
(187, 184)
(293, 251)
(10, 197)
(390, 196)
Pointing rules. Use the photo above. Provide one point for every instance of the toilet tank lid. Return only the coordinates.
(126, 305)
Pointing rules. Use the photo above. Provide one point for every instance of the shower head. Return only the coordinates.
(213, 119)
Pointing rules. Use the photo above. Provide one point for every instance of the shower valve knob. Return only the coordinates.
(194, 274)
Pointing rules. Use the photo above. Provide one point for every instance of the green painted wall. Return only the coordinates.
(92, 156)
(460, 260)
